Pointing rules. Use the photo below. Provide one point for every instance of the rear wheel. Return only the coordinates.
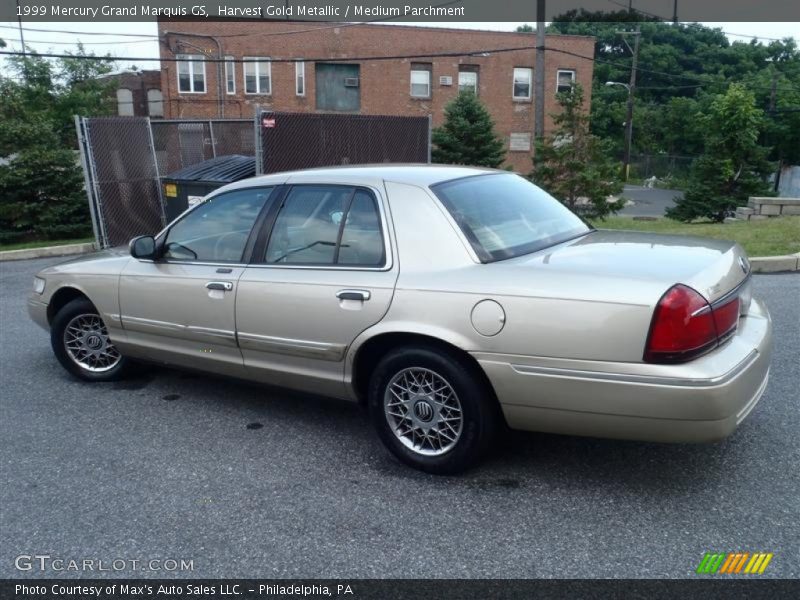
(80, 341)
(431, 410)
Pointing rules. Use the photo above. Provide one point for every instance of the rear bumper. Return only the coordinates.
(703, 400)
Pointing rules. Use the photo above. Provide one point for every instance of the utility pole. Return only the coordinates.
(22, 41)
(538, 73)
(675, 12)
(21, 36)
(773, 93)
(773, 98)
(631, 90)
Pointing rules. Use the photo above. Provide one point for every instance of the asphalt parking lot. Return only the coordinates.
(648, 202)
(249, 481)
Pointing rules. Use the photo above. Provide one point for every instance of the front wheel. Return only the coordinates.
(81, 344)
(431, 410)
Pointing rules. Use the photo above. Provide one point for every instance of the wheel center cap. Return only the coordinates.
(94, 342)
(423, 411)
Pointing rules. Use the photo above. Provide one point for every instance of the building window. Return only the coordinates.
(155, 103)
(300, 78)
(230, 75)
(522, 83)
(468, 79)
(124, 102)
(257, 75)
(565, 80)
(421, 80)
(191, 74)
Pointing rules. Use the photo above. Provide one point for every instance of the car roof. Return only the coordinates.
(375, 175)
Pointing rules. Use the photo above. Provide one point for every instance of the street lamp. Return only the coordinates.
(625, 85)
(628, 126)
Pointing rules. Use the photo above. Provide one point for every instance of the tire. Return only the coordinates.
(85, 350)
(429, 435)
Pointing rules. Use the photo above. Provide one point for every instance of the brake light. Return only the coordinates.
(685, 326)
(726, 318)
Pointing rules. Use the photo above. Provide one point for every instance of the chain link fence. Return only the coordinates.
(669, 170)
(125, 158)
(186, 142)
(301, 140)
(121, 177)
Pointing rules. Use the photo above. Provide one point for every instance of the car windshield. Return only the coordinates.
(504, 215)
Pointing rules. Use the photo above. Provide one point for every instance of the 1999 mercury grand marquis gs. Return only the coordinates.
(449, 299)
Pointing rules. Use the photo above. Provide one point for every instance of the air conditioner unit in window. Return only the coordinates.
(351, 82)
(445, 80)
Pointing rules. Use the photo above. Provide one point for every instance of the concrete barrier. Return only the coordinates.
(775, 264)
(43, 252)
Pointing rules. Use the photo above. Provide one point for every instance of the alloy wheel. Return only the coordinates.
(423, 411)
(88, 345)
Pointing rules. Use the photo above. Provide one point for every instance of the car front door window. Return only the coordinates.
(217, 230)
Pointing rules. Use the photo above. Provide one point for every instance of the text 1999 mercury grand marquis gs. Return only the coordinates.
(451, 300)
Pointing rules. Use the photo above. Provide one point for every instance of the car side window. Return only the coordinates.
(362, 238)
(217, 230)
(327, 225)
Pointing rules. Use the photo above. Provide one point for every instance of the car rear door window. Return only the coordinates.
(218, 229)
(327, 225)
(362, 240)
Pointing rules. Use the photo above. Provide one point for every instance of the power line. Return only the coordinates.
(476, 52)
(289, 60)
(243, 34)
(114, 43)
(695, 25)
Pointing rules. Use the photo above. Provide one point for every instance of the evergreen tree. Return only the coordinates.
(467, 136)
(733, 165)
(575, 166)
(41, 184)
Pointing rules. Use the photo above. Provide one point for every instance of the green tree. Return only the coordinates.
(467, 136)
(41, 185)
(576, 166)
(525, 28)
(733, 165)
(690, 62)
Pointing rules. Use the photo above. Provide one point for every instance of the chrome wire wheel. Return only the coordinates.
(87, 344)
(423, 411)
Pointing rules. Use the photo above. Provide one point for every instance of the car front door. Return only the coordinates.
(322, 273)
(180, 308)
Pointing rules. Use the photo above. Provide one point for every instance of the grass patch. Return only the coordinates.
(770, 237)
(44, 244)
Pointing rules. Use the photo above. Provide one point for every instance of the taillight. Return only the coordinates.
(685, 325)
(726, 318)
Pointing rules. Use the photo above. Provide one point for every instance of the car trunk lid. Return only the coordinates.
(712, 267)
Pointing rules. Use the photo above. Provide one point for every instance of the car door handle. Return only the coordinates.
(223, 286)
(362, 295)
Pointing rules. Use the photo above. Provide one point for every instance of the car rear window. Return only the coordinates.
(504, 215)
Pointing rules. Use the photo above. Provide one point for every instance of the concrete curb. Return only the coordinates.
(775, 264)
(65, 250)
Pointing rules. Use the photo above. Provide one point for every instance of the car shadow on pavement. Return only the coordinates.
(519, 461)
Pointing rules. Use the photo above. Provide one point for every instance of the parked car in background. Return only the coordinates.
(453, 301)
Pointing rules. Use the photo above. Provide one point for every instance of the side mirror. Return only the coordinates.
(143, 247)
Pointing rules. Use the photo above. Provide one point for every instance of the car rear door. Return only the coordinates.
(180, 308)
(322, 272)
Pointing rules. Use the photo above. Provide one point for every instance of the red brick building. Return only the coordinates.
(137, 93)
(332, 78)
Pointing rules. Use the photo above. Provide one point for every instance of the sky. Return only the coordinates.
(100, 36)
